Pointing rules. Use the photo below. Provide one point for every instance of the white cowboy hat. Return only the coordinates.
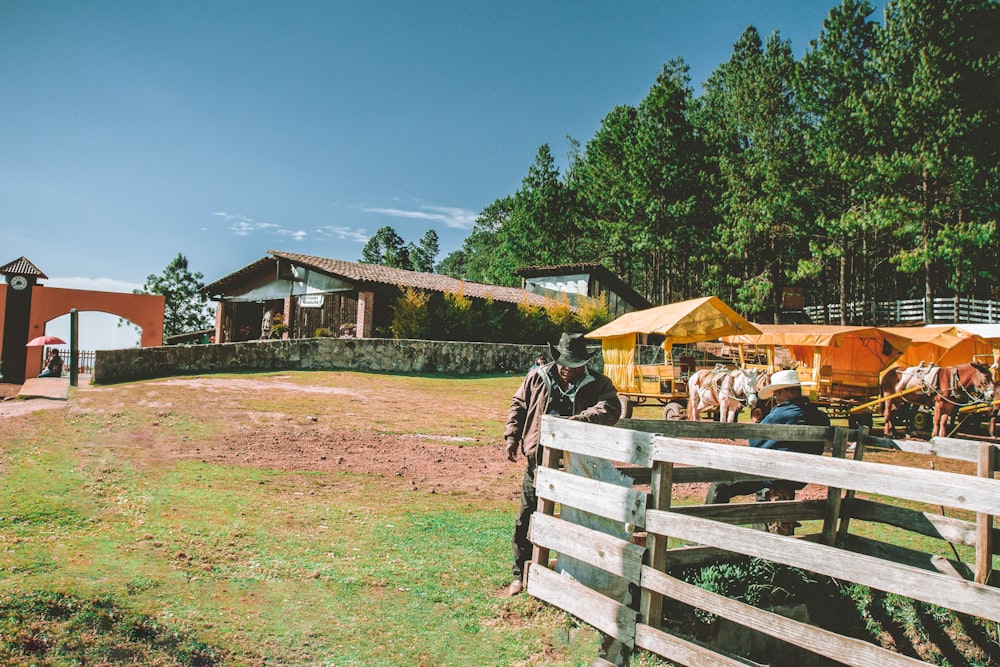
(780, 380)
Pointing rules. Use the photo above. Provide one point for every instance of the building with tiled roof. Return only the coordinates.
(305, 293)
(580, 281)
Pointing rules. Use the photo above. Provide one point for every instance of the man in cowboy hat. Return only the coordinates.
(791, 407)
(564, 387)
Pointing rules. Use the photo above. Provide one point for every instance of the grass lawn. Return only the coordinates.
(115, 551)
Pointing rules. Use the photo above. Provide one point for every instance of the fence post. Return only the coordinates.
(833, 494)
(660, 486)
(984, 522)
(540, 555)
(845, 506)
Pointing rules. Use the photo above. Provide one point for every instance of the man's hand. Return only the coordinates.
(512, 449)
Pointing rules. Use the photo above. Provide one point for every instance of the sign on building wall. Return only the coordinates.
(311, 301)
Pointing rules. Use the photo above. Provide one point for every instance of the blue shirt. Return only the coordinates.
(796, 411)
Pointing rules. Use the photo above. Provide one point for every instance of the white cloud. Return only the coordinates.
(93, 284)
(456, 218)
(296, 236)
(345, 233)
(241, 225)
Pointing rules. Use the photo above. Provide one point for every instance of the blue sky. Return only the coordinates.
(134, 131)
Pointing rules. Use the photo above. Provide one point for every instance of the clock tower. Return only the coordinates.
(21, 277)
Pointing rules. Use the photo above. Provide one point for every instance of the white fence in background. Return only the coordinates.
(951, 310)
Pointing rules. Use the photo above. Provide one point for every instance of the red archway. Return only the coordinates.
(48, 303)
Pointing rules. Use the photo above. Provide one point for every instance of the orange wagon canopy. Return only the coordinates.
(863, 351)
(944, 345)
(690, 321)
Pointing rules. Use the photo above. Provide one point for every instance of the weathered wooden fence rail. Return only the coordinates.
(581, 474)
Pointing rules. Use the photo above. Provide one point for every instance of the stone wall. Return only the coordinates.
(362, 354)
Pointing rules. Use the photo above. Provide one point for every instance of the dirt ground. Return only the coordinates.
(432, 464)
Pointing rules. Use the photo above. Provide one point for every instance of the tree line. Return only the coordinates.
(865, 171)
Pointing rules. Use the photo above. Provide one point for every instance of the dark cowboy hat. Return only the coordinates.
(571, 351)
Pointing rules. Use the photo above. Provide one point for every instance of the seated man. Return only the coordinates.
(54, 366)
(791, 407)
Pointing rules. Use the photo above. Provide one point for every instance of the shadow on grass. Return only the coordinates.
(53, 628)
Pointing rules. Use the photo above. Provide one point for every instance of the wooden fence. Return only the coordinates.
(602, 473)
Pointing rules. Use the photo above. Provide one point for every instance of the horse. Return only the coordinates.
(722, 388)
(947, 388)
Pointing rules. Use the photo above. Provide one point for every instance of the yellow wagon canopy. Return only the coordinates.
(707, 318)
(691, 321)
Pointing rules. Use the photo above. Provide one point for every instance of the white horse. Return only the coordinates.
(739, 388)
(729, 390)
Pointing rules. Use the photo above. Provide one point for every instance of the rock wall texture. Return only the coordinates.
(363, 354)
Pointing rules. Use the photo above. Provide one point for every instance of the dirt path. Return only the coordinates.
(11, 406)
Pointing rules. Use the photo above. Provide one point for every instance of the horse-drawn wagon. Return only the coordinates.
(947, 371)
(674, 328)
(840, 365)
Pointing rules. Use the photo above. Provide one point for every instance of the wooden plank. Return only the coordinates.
(754, 512)
(833, 494)
(610, 617)
(698, 474)
(660, 490)
(927, 486)
(684, 651)
(609, 553)
(847, 650)
(873, 440)
(638, 475)
(962, 596)
(863, 439)
(985, 467)
(905, 556)
(734, 431)
(697, 555)
(611, 501)
(550, 459)
(925, 523)
(605, 442)
(957, 449)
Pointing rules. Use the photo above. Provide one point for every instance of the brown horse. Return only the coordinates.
(947, 388)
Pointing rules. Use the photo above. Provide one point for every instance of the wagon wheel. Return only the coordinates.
(922, 421)
(673, 411)
(627, 406)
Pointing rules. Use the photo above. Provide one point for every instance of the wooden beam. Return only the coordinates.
(606, 442)
(684, 651)
(849, 651)
(962, 596)
(985, 467)
(606, 552)
(619, 503)
(926, 486)
(661, 487)
(607, 615)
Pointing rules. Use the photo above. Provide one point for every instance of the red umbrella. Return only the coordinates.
(45, 340)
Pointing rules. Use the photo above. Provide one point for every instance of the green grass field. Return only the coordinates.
(114, 553)
(109, 557)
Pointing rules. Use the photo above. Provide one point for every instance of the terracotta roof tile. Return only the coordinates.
(361, 274)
